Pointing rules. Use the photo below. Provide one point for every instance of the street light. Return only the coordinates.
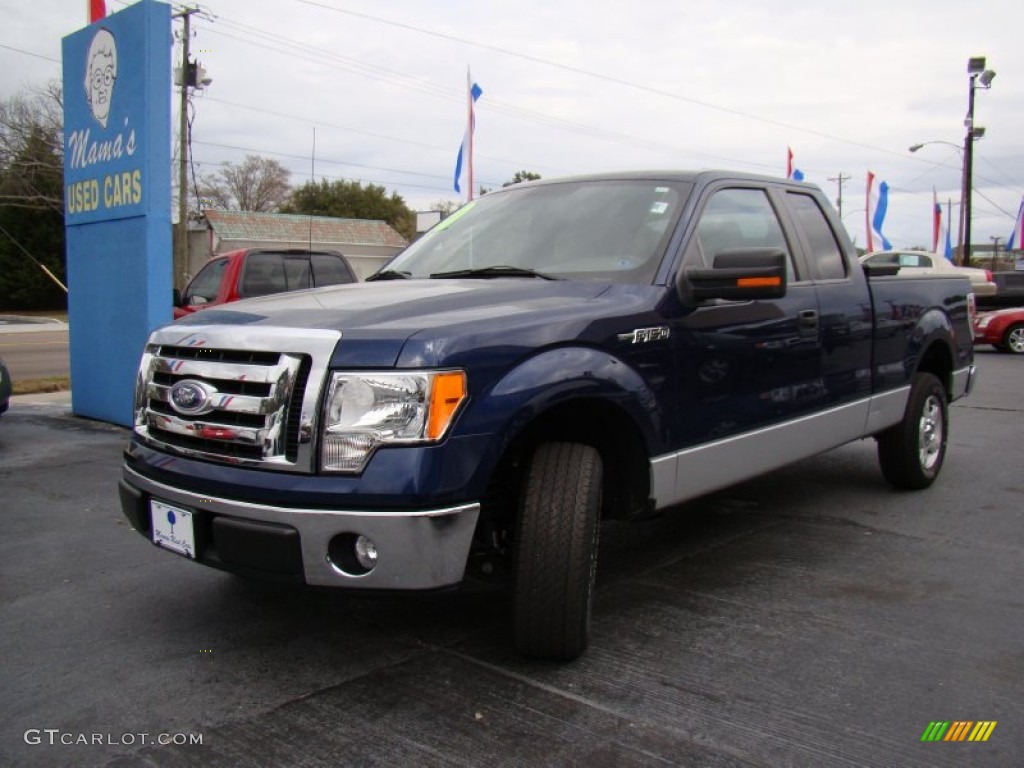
(979, 132)
(915, 147)
(983, 77)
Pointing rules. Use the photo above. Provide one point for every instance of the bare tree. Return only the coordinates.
(255, 184)
(32, 149)
(32, 242)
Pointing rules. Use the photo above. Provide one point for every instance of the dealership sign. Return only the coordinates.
(117, 200)
(104, 108)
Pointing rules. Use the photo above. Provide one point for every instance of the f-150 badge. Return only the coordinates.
(644, 335)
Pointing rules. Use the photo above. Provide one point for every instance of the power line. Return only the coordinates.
(29, 53)
(596, 75)
(305, 52)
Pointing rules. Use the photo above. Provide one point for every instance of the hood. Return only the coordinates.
(398, 306)
(377, 319)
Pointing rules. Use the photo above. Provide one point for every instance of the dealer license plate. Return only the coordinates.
(172, 528)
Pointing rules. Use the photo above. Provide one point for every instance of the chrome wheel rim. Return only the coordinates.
(1015, 340)
(930, 433)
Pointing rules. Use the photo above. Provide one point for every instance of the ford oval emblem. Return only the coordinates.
(190, 397)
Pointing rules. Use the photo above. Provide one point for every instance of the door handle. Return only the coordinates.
(807, 320)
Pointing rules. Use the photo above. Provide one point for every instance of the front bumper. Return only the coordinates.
(421, 549)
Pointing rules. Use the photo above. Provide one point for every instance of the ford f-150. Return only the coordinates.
(551, 355)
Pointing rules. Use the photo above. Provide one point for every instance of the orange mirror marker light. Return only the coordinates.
(758, 282)
(447, 393)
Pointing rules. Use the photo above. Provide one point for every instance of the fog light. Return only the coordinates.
(366, 553)
(352, 554)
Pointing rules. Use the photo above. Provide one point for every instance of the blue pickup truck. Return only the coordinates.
(551, 355)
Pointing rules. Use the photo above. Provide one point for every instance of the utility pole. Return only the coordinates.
(181, 242)
(840, 179)
(995, 250)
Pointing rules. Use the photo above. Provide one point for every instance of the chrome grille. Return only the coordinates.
(223, 394)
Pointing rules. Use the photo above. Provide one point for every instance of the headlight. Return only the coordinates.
(984, 320)
(367, 410)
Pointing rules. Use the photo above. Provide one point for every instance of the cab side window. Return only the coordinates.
(206, 284)
(825, 255)
(738, 218)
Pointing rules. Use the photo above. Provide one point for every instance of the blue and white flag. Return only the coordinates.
(1016, 238)
(465, 156)
(877, 205)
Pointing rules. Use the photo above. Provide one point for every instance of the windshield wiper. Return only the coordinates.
(499, 270)
(389, 274)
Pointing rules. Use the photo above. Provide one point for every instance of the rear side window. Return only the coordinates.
(825, 255)
(915, 260)
(263, 274)
(266, 272)
(329, 269)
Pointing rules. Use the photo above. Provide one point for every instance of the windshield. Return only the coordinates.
(613, 231)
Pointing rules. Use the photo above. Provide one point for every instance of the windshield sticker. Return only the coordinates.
(659, 208)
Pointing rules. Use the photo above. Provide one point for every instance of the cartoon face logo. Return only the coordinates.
(100, 75)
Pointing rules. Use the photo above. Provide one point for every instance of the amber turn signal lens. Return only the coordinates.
(447, 393)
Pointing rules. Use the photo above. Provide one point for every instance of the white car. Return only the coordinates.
(912, 263)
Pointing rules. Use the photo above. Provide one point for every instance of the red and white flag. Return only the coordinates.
(97, 10)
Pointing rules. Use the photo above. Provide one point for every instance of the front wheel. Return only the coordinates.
(911, 452)
(1013, 340)
(556, 551)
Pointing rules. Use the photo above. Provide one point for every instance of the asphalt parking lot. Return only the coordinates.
(812, 617)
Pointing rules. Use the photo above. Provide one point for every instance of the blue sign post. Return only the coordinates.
(117, 201)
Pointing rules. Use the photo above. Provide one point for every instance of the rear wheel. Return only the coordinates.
(1013, 340)
(911, 452)
(556, 551)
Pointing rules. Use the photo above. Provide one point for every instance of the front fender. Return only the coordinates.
(558, 376)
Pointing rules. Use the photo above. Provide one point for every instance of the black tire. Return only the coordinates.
(556, 551)
(911, 452)
(1013, 340)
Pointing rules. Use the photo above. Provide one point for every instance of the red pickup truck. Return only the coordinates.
(250, 272)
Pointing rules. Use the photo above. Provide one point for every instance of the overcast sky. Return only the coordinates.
(577, 86)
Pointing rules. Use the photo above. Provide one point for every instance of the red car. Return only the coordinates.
(258, 272)
(1003, 329)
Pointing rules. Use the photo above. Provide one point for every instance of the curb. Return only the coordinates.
(43, 398)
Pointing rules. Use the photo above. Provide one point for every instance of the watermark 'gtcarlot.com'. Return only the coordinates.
(55, 736)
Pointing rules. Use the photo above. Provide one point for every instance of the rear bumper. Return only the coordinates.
(421, 549)
(985, 289)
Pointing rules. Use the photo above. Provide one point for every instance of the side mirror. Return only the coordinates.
(176, 297)
(738, 274)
